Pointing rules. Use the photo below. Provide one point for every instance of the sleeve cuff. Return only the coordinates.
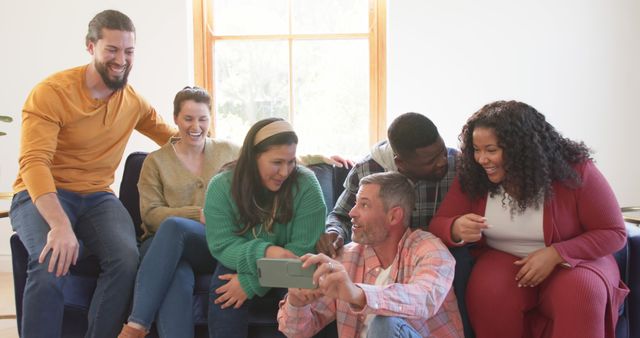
(38, 182)
(369, 295)
(193, 213)
(332, 228)
(295, 310)
(247, 261)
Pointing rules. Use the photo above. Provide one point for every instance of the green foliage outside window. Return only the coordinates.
(4, 118)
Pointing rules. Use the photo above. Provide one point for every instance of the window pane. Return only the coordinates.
(331, 96)
(251, 83)
(330, 16)
(250, 17)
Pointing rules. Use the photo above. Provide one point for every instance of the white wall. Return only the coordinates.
(576, 61)
(40, 37)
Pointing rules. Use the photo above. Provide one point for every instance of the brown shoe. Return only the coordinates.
(131, 332)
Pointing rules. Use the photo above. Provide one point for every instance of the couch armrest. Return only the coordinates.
(633, 279)
(19, 257)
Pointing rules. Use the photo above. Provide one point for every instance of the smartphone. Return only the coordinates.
(285, 273)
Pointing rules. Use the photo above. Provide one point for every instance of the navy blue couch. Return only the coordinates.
(79, 287)
(82, 281)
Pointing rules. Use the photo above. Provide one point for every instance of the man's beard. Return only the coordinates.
(110, 83)
(369, 237)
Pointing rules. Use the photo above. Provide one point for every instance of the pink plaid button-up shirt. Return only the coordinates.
(421, 292)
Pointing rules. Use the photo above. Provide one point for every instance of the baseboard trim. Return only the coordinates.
(5, 263)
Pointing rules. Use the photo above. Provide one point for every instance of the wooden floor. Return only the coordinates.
(8, 327)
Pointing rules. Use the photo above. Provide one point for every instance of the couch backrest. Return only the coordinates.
(129, 188)
(331, 182)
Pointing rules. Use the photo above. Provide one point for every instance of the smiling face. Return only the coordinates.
(113, 56)
(488, 154)
(276, 164)
(193, 122)
(427, 163)
(368, 217)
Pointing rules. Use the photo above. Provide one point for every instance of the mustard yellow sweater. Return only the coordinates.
(74, 142)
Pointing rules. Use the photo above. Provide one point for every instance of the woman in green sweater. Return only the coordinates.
(263, 205)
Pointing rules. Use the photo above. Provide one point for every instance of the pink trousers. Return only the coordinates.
(569, 303)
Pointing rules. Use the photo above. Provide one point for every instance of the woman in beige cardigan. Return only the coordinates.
(172, 186)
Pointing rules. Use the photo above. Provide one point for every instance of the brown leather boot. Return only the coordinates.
(131, 332)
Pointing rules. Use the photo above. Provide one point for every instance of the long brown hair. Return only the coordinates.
(256, 204)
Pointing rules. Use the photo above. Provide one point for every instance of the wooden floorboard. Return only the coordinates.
(8, 328)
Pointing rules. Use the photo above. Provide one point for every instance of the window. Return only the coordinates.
(318, 63)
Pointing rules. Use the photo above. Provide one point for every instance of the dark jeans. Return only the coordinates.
(464, 264)
(230, 322)
(105, 229)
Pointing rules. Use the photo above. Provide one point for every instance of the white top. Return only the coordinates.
(519, 233)
(383, 279)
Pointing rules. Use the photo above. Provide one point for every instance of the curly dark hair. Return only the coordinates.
(534, 154)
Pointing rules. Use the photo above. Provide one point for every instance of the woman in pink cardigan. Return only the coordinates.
(545, 224)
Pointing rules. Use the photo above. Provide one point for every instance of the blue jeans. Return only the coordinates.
(165, 282)
(230, 322)
(104, 227)
(391, 327)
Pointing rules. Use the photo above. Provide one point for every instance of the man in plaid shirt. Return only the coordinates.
(389, 282)
(415, 149)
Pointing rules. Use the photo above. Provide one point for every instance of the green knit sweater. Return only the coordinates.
(240, 252)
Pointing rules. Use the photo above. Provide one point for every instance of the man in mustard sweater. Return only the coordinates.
(75, 125)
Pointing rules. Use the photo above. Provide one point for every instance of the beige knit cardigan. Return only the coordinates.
(167, 188)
